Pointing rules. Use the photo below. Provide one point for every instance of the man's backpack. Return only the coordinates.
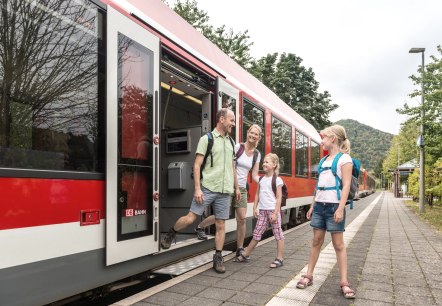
(209, 152)
(284, 190)
(338, 187)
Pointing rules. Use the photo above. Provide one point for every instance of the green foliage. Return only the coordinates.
(413, 184)
(296, 85)
(431, 215)
(403, 147)
(435, 180)
(432, 121)
(367, 144)
(432, 105)
(235, 45)
(283, 74)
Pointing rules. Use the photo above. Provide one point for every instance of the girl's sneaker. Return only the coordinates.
(239, 251)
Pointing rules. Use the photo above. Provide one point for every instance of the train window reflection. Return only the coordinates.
(282, 145)
(251, 114)
(301, 155)
(52, 86)
(314, 159)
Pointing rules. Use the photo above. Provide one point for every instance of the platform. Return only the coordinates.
(394, 258)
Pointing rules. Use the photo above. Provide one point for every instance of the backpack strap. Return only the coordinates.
(208, 152)
(232, 142)
(273, 183)
(238, 154)
(255, 158)
(240, 151)
(334, 169)
(320, 169)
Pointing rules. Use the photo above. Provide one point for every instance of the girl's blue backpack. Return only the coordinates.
(338, 187)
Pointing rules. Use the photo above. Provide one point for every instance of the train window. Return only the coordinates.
(230, 103)
(251, 114)
(282, 145)
(314, 159)
(301, 155)
(135, 125)
(52, 85)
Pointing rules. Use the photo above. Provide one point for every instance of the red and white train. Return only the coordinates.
(366, 184)
(102, 104)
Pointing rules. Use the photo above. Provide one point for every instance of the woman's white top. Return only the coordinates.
(327, 179)
(267, 198)
(243, 166)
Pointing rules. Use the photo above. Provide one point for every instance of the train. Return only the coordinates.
(366, 184)
(102, 104)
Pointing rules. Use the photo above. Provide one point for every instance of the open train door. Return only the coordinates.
(132, 147)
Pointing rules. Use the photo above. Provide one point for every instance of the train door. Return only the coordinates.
(186, 112)
(228, 96)
(132, 140)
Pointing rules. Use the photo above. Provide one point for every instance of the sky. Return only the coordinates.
(357, 49)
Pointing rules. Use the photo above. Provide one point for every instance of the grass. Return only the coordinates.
(432, 215)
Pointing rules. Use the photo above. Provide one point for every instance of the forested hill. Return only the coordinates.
(367, 144)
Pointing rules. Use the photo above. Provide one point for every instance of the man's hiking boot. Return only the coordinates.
(167, 239)
(200, 233)
(218, 263)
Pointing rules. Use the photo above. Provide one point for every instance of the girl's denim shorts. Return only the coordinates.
(322, 217)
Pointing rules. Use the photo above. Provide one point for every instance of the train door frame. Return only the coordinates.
(224, 89)
(125, 246)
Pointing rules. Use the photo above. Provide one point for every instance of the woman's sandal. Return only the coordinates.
(242, 258)
(303, 284)
(277, 263)
(347, 292)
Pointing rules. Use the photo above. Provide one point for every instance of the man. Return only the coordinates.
(216, 187)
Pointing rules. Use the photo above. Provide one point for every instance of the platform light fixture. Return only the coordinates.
(421, 139)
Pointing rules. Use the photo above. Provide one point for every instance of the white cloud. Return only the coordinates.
(357, 49)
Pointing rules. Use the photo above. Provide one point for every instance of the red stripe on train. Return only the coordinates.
(33, 202)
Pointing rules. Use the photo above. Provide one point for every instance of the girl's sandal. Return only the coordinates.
(242, 258)
(347, 292)
(303, 284)
(277, 263)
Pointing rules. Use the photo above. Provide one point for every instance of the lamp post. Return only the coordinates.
(421, 140)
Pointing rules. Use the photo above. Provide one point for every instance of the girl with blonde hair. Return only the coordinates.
(327, 212)
(267, 208)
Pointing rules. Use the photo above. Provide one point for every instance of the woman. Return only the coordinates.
(327, 212)
(247, 160)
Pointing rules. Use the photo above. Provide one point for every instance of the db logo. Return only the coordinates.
(128, 212)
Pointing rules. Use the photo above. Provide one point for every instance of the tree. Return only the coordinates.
(296, 85)
(432, 125)
(403, 147)
(44, 76)
(283, 74)
(432, 105)
(235, 45)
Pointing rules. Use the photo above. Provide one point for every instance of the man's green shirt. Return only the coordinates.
(218, 178)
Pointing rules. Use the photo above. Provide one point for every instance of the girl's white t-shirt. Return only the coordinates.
(244, 164)
(267, 198)
(327, 179)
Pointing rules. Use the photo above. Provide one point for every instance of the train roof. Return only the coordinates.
(167, 22)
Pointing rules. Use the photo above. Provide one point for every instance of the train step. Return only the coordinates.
(189, 264)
